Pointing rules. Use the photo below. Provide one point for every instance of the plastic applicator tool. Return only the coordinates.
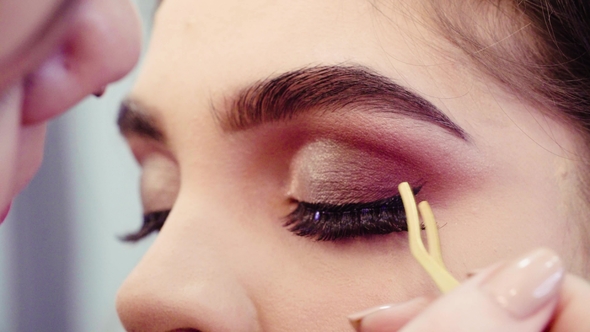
(430, 260)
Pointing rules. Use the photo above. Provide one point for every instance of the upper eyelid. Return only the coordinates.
(143, 148)
(160, 182)
(328, 207)
(358, 205)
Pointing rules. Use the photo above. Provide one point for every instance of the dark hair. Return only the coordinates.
(539, 49)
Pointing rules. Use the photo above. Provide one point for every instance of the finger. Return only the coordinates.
(572, 309)
(388, 318)
(517, 296)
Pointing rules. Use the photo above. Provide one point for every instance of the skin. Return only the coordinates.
(224, 261)
(470, 307)
(89, 45)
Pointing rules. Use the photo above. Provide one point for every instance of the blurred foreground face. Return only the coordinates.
(277, 132)
(53, 53)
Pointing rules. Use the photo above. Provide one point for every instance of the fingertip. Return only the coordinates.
(387, 317)
(520, 295)
(526, 284)
(571, 313)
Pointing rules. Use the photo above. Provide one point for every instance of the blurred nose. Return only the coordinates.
(184, 284)
(101, 45)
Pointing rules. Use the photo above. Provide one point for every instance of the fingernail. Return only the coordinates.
(388, 317)
(356, 318)
(527, 284)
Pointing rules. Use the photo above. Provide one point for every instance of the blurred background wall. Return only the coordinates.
(60, 259)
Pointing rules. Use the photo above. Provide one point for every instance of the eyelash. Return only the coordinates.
(152, 222)
(320, 221)
(332, 222)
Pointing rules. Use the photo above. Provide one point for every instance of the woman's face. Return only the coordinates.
(246, 109)
(53, 53)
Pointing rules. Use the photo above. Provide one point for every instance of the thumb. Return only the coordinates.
(517, 296)
(571, 313)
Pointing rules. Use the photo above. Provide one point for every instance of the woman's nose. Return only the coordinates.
(102, 43)
(183, 286)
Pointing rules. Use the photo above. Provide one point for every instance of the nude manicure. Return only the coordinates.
(527, 284)
(355, 319)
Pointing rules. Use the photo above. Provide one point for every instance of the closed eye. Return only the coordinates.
(332, 222)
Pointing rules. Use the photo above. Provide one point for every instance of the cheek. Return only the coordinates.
(235, 198)
(310, 286)
(295, 282)
(501, 220)
(10, 102)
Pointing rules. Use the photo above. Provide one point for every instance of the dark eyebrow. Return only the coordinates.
(134, 120)
(327, 88)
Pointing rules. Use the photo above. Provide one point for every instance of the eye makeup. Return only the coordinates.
(331, 222)
(339, 184)
(152, 222)
(320, 221)
(344, 190)
(335, 172)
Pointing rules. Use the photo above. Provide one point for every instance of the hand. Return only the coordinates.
(532, 293)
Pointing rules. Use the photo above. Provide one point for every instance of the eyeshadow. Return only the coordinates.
(333, 172)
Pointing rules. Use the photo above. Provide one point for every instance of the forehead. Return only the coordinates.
(202, 52)
(23, 19)
(239, 41)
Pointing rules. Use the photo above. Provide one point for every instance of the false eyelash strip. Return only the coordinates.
(329, 222)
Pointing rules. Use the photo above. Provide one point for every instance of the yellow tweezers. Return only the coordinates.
(431, 261)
